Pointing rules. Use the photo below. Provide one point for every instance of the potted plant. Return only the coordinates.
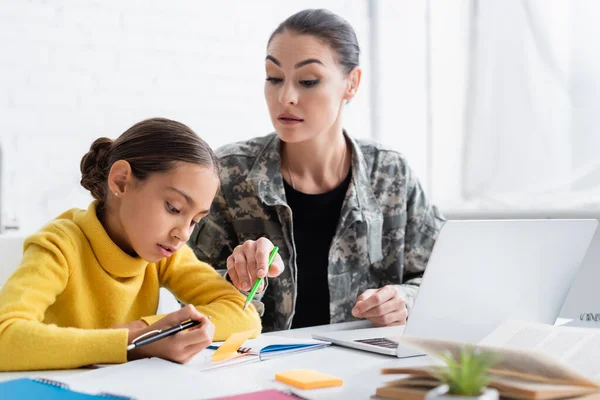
(464, 377)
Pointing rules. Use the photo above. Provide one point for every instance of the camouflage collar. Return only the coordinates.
(360, 203)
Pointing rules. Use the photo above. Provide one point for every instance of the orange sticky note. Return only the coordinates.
(307, 379)
(230, 347)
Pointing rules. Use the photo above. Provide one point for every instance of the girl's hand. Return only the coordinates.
(182, 346)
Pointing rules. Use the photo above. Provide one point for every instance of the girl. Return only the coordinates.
(350, 218)
(88, 283)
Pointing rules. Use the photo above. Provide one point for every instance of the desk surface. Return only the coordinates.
(359, 370)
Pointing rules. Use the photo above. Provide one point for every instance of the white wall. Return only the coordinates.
(72, 71)
(435, 155)
(449, 44)
(585, 87)
(400, 72)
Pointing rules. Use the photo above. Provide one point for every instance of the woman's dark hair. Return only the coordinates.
(153, 145)
(328, 27)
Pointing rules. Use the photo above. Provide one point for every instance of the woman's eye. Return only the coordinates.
(309, 83)
(194, 223)
(274, 81)
(172, 209)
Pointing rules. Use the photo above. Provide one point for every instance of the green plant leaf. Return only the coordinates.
(466, 374)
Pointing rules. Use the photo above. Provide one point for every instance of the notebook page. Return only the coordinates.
(152, 379)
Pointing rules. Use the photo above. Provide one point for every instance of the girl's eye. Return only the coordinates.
(172, 209)
(274, 81)
(309, 83)
(194, 223)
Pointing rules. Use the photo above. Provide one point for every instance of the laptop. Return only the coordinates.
(482, 273)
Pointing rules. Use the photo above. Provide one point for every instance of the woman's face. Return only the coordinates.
(305, 87)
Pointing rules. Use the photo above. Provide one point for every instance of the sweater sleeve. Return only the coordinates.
(26, 342)
(195, 282)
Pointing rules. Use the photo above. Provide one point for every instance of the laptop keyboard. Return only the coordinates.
(381, 342)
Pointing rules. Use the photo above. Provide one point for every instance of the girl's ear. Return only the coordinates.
(119, 178)
(353, 83)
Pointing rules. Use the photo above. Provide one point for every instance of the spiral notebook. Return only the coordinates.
(26, 388)
(239, 349)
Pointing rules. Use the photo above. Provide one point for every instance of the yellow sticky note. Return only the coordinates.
(307, 379)
(230, 347)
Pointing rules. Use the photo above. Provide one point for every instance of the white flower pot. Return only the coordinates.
(441, 393)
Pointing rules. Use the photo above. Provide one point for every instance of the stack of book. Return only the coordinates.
(534, 361)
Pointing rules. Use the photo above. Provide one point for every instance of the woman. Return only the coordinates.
(350, 218)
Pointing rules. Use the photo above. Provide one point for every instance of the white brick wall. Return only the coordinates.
(71, 71)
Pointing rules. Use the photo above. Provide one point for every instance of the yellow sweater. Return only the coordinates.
(74, 283)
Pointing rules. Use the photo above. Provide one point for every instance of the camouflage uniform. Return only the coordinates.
(384, 235)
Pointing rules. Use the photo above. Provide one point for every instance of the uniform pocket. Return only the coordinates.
(205, 238)
(252, 229)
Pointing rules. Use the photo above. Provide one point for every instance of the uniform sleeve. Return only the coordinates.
(423, 224)
(26, 343)
(195, 282)
(214, 239)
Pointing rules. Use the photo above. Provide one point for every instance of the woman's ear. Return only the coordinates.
(353, 83)
(119, 178)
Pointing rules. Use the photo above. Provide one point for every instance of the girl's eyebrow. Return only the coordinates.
(181, 192)
(187, 198)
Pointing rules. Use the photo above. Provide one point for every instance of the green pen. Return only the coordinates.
(259, 280)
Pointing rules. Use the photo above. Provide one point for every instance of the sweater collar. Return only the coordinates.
(110, 256)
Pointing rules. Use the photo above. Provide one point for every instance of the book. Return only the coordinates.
(534, 361)
(26, 388)
(240, 350)
(408, 388)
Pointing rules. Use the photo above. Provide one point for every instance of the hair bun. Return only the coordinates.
(94, 167)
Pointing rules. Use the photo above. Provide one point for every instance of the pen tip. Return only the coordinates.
(245, 305)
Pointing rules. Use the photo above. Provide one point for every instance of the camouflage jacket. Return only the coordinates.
(384, 235)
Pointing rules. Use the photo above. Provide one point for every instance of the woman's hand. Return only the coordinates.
(383, 307)
(180, 347)
(249, 261)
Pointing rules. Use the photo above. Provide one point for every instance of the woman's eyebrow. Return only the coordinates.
(299, 64)
(306, 62)
(274, 60)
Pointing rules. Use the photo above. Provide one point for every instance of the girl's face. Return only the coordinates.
(305, 88)
(158, 215)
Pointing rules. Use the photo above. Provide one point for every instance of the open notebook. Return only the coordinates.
(238, 349)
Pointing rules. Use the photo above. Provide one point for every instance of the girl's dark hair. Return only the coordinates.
(153, 145)
(328, 27)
